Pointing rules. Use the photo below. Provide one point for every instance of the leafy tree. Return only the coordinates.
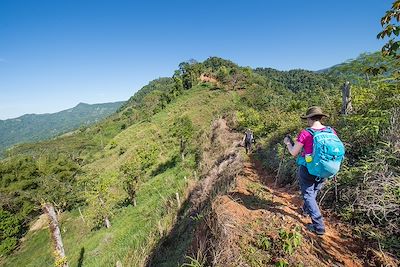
(131, 173)
(390, 23)
(165, 99)
(57, 182)
(183, 129)
(223, 75)
(178, 85)
(215, 63)
(134, 170)
(391, 29)
(101, 196)
(151, 103)
(189, 72)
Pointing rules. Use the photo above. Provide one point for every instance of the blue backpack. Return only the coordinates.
(328, 153)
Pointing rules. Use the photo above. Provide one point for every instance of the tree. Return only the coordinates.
(346, 99)
(190, 72)
(131, 173)
(239, 77)
(151, 103)
(101, 197)
(57, 183)
(59, 253)
(223, 75)
(391, 29)
(178, 85)
(183, 129)
(57, 192)
(164, 99)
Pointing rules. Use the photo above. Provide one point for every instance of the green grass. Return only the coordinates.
(134, 232)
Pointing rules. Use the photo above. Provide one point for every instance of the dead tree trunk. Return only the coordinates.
(368, 80)
(131, 190)
(178, 200)
(61, 260)
(105, 218)
(80, 213)
(346, 99)
(107, 222)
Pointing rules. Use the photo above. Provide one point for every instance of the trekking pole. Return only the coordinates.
(280, 165)
(336, 190)
(279, 168)
(278, 173)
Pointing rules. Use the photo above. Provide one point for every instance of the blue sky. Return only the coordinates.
(55, 54)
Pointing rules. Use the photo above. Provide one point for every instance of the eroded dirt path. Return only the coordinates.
(256, 208)
(237, 216)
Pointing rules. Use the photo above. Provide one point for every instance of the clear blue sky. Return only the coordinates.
(55, 54)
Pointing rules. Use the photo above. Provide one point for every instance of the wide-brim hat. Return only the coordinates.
(314, 111)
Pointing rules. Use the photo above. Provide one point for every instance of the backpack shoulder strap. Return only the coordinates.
(311, 131)
(327, 129)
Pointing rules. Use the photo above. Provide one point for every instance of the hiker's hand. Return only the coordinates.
(286, 140)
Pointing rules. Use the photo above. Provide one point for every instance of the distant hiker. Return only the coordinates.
(248, 139)
(320, 153)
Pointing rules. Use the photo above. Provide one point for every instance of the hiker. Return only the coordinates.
(248, 139)
(308, 162)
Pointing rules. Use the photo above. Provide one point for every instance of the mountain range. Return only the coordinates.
(36, 127)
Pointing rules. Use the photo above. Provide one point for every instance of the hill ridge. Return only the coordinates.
(37, 127)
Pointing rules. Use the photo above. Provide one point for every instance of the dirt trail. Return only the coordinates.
(256, 207)
(236, 216)
(337, 244)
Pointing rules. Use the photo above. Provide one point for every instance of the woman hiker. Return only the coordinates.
(309, 184)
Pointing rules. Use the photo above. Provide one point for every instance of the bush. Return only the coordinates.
(9, 231)
(8, 245)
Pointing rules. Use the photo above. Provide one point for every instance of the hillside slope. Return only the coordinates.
(134, 230)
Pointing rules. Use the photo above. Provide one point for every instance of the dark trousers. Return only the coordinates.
(309, 190)
(247, 145)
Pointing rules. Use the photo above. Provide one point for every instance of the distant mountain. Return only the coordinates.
(35, 127)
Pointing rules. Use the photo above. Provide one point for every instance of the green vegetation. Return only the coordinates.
(32, 127)
(129, 171)
(150, 169)
(370, 134)
(272, 247)
(391, 29)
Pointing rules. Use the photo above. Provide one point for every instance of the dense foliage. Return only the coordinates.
(296, 80)
(161, 84)
(391, 28)
(368, 187)
(26, 184)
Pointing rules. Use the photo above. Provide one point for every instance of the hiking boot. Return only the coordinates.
(311, 228)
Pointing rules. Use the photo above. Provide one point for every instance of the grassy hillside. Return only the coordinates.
(134, 229)
(129, 168)
(33, 127)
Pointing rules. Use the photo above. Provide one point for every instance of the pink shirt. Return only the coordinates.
(306, 139)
